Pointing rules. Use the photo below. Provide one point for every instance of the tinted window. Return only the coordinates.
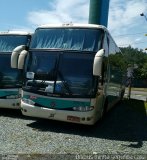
(70, 39)
(9, 42)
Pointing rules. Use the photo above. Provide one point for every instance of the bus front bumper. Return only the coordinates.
(10, 103)
(86, 118)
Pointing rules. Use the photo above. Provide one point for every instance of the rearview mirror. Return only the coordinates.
(97, 65)
(21, 59)
(15, 55)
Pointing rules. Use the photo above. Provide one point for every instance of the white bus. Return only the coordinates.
(68, 75)
(10, 79)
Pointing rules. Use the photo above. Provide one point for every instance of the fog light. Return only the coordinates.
(28, 101)
(89, 118)
(24, 110)
(83, 119)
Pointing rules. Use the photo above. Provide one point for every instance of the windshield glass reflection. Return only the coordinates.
(62, 73)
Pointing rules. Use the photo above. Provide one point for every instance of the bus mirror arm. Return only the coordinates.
(21, 59)
(97, 65)
(15, 55)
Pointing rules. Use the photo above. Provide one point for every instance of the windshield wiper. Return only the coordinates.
(65, 84)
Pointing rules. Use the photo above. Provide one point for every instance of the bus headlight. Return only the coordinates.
(83, 108)
(28, 101)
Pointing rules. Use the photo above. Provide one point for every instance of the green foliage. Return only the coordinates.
(133, 56)
(118, 61)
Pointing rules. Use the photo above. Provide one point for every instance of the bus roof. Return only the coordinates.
(15, 33)
(76, 25)
(71, 25)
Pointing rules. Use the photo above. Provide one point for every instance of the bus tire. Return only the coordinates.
(104, 110)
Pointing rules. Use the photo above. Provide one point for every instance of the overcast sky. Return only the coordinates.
(124, 22)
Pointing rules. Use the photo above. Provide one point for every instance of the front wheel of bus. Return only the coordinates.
(104, 109)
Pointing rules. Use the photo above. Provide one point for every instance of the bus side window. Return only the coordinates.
(106, 45)
(105, 59)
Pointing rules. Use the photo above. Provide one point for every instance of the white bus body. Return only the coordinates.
(69, 75)
(10, 78)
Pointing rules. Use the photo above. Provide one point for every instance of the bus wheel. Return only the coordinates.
(104, 109)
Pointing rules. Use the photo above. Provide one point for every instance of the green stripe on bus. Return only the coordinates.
(57, 103)
(6, 93)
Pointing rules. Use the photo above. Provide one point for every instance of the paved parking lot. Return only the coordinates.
(137, 94)
(123, 131)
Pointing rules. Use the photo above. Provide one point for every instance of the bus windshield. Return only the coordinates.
(75, 73)
(62, 73)
(9, 42)
(8, 77)
(67, 38)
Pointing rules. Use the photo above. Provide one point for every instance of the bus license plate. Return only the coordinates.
(73, 118)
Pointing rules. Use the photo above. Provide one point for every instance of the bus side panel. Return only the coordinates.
(112, 74)
(114, 88)
(98, 104)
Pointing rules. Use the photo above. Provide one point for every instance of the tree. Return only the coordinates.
(134, 56)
